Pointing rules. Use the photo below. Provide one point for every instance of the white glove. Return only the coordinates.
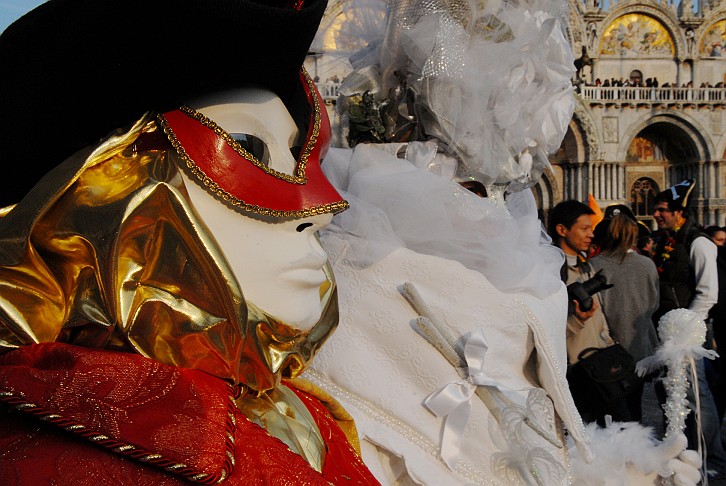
(684, 465)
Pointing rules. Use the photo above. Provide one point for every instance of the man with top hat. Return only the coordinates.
(162, 286)
(684, 255)
(686, 261)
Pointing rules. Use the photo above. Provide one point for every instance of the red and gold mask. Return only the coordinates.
(239, 179)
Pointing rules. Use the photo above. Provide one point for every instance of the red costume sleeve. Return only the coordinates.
(84, 416)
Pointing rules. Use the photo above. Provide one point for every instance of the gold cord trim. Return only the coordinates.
(238, 204)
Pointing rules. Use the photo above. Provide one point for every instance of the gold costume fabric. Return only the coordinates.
(107, 252)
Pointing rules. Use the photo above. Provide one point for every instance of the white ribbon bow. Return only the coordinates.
(453, 401)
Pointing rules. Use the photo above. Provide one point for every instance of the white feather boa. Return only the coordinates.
(626, 453)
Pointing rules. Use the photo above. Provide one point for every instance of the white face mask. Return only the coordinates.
(279, 266)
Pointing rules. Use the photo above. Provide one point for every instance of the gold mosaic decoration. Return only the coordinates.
(636, 35)
(713, 42)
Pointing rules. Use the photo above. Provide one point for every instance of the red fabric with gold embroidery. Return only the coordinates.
(86, 417)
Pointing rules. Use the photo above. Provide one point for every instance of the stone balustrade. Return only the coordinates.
(629, 94)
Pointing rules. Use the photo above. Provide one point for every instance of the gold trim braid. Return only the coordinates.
(299, 178)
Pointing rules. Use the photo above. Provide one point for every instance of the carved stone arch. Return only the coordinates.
(575, 144)
(576, 32)
(665, 17)
(546, 192)
(582, 119)
(335, 8)
(714, 17)
(689, 126)
(576, 6)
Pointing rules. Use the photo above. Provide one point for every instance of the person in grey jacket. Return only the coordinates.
(629, 304)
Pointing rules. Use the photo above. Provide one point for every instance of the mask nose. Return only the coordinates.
(314, 223)
(309, 228)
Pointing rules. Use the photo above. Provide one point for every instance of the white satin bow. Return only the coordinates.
(453, 401)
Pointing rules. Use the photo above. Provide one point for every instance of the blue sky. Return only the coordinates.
(10, 10)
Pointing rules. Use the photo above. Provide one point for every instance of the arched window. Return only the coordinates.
(636, 77)
(642, 196)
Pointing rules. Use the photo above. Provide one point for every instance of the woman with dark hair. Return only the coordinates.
(629, 304)
(717, 234)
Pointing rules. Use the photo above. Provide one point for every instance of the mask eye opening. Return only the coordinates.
(296, 145)
(295, 151)
(253, 145)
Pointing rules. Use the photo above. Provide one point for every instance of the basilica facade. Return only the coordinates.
(650, 105)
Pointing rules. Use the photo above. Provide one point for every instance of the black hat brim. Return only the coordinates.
(73, 70)
(678, 197)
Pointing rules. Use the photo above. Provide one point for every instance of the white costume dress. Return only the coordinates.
(382, 369)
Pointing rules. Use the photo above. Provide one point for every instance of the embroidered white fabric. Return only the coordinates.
(381, 369)
(491, 83)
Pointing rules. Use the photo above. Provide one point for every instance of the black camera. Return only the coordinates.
(582, 292)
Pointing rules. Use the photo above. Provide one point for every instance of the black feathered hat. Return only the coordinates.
(73, 70)
(678, 197)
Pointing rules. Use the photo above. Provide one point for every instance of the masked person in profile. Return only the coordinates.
(451, 350)
(163, 287)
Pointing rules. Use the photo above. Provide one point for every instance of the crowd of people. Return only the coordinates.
(642, 276)
(650, 89)
(647, 83)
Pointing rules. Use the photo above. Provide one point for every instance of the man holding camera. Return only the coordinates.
(571, 229)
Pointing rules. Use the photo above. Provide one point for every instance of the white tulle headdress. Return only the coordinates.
(489, 81)
(483, 84)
